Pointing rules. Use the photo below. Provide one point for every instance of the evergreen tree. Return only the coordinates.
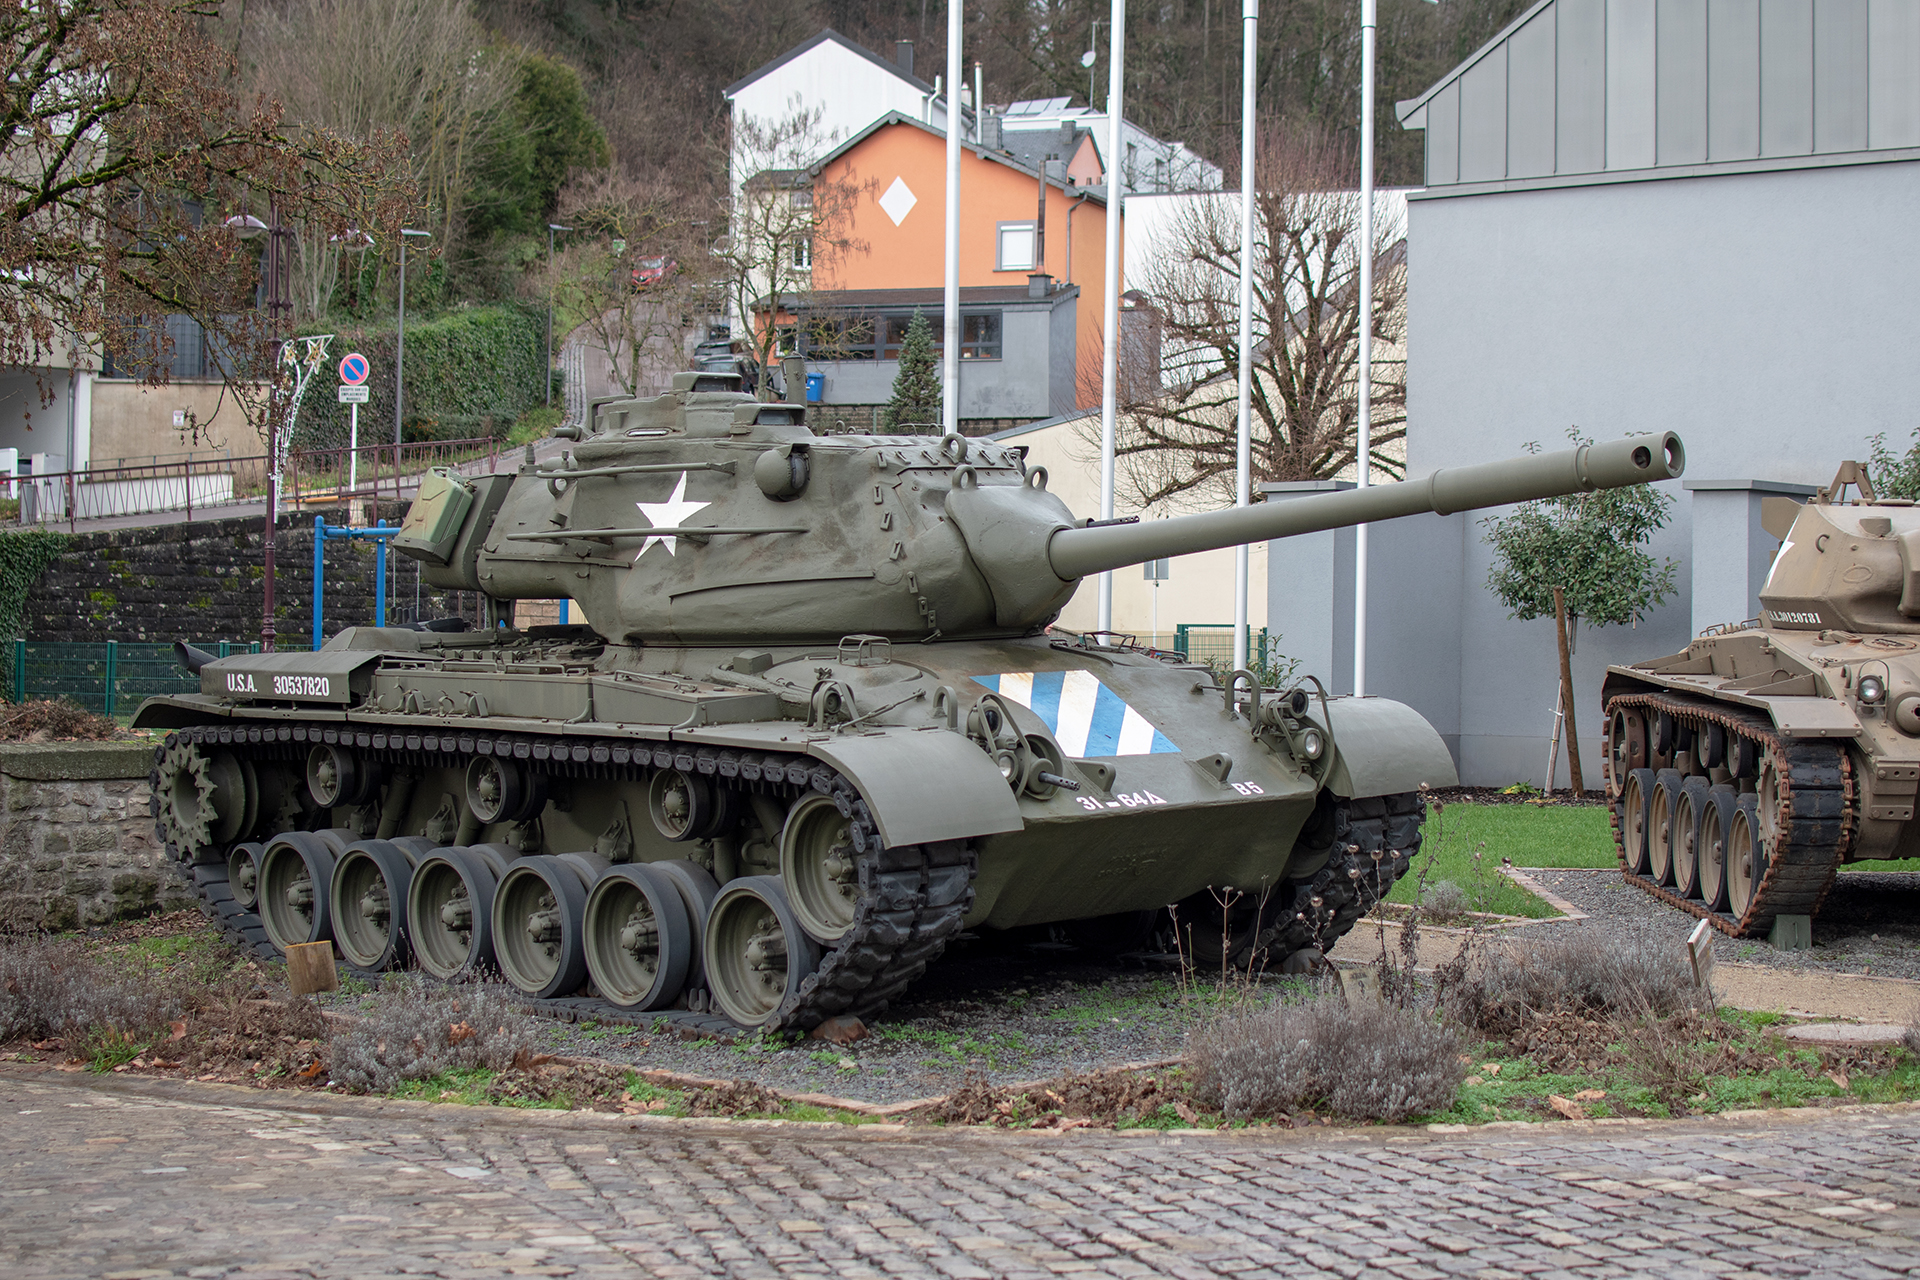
(916, 388)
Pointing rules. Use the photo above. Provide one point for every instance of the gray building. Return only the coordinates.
(1639, 215)
(1017, 354)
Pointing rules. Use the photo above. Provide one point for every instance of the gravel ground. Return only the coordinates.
(1870, 922)
(1005, 1012)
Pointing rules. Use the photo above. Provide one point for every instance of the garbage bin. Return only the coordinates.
(816, 387)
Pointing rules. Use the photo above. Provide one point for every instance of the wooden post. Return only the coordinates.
(311, 968)
(1566, 692)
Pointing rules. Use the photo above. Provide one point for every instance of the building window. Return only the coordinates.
(1015, 247)
(880, 337)
(802, 255)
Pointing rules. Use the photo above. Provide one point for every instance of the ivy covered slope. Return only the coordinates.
(470, 372)
(24, 557)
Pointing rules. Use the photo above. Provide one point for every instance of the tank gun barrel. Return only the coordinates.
(1609, 464)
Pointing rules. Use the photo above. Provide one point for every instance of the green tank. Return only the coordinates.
(1745, 770)
(814, 724)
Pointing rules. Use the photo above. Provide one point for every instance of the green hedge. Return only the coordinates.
(469, 373)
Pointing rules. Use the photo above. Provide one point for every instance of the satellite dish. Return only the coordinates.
(1086, 59)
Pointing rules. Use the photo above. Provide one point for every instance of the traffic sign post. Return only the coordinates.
(353, 393)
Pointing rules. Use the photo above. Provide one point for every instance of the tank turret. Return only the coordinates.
(703, 516)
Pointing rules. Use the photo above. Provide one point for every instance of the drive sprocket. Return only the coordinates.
(183, 788)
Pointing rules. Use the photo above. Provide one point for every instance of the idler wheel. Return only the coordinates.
(757, 955)
(1636, 818)
(369, 904)
(450, 911)
(639, 940)
(1716, 819)
(1687, 810)
(1626, 746)
(818, 867)
(1746, 864)
(243, 874)
(295, 872)
(1660, 826)
(539, 914)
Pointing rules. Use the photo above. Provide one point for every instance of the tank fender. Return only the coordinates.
(924, 784)
(1382, 747)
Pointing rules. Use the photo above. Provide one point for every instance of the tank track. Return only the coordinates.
(914, 898)
(1815, 820)
(1374, 842)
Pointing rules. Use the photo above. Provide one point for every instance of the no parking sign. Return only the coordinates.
(353, 368)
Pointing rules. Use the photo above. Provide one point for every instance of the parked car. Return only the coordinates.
(652, 271)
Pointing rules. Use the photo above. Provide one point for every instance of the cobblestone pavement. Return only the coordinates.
(123, 1178)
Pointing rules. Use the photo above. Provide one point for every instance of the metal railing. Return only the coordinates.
(112, 676)
(1212, 643)
(207, 484)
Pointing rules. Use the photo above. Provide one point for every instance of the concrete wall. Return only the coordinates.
(76, 837)
(1766, 317)
(134, 423)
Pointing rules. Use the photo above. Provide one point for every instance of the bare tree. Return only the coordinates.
(128, 161)
(635, 268)
(1178, 422)
(789, 222)
(426, 69)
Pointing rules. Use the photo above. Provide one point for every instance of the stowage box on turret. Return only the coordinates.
(813, 726)
(1745, 770)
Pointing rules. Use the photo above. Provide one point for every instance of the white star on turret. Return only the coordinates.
(668, 515)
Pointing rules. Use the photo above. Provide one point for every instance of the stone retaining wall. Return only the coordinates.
(76, 837)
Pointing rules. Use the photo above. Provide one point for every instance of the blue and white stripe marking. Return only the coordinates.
(1086, 718)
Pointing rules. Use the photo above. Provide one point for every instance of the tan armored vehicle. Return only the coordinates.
(813, 725)
(1747, 769)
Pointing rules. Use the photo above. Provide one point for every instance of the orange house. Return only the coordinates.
(1031, 267)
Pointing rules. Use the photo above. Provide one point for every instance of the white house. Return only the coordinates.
(850, 87)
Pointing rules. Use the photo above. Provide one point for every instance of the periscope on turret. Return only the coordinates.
(815, 722)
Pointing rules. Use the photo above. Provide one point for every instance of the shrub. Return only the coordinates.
(1444, 901)
(415, 1030)
(52, 987)
(1366, 1061)
(1567, 971)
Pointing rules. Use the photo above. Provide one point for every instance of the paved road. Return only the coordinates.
(123, 1179)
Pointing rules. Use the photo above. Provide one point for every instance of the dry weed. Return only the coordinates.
(53, 987)
(1371, 1060)
(51, 720)
(417, 1029)
(1502, 988)
(1099, 1099)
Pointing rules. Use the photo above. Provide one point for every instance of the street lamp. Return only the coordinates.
(400, 341)
(551, 228)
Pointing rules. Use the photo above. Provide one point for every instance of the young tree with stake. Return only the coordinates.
(1579, 557)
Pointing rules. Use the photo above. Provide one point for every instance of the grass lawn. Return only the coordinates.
(1526, 835)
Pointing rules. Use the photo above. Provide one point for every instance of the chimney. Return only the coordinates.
(1039, 285)
(990, 131)
(903, 55)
